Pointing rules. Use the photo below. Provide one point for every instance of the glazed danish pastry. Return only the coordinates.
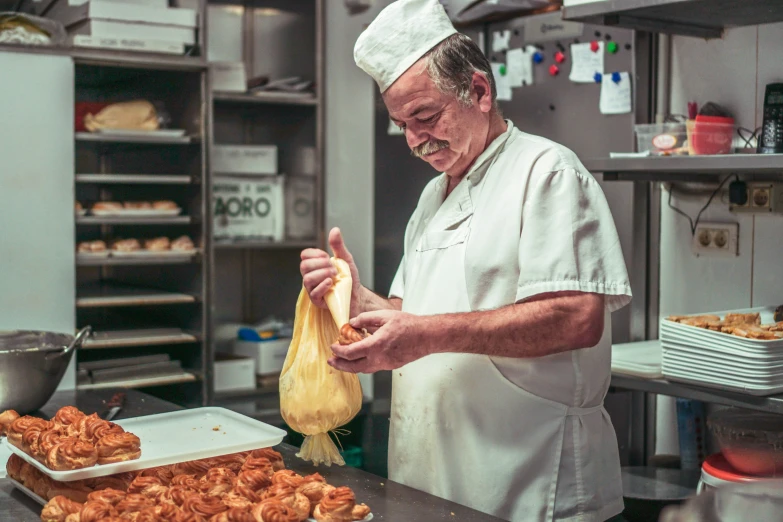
(204, 505)
(162, 473)
(177, 495)
(336, 506)
(67, 418)
(233, 462)
(150, 487)
(194, 467)
(6, 418)
(255, 479)
(314, 487)
(217, 482)
(71, 453)
(189, 481)
(241, 496)
(93, 511)
(133, 503)
(58, 508)
(273, 456)
(259, 463)
(17, 428)
(118, 447)
(109, 496)
(275, 511)
(288, 496)
(287, 477)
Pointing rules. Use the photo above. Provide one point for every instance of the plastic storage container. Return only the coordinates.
(751, 441)
(717, 473)
(710, 135)
(661, 138)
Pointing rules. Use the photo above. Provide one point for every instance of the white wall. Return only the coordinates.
(733, 72)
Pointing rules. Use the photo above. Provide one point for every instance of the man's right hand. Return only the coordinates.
(317, 269)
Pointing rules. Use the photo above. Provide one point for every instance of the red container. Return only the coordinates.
(710, 135)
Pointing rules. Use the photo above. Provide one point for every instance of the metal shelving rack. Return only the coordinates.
(256, 278)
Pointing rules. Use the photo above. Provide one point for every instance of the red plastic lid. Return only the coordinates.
(717, 466)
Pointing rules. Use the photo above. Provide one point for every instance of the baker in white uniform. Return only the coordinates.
(497, 326)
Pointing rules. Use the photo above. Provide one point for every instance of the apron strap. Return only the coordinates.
(573, 411)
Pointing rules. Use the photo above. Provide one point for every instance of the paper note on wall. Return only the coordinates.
(520, 66)
(502, 84)
(500, 40)
(585, 62)
(616, 93)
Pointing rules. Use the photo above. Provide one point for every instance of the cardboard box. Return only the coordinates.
(233, 372)
(300, 204)
(268, 355)
(109, 29)
(244, 159)
(228, 77)
(128, 44)
(248, 208)
(41, 5)
(122, 11)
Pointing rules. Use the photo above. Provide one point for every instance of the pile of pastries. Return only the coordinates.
(742, 325)
(158, 244)
(241, 487)
(70, 440)
(117, 206)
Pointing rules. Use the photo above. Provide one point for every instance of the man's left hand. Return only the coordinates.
(397, 339)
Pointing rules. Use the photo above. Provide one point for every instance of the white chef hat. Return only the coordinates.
(401, 34)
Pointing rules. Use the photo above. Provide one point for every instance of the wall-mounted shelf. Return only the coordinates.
(267, 245)
(271, 98)
(132, 179)
(108, 294)
(162, 380)
(152, 139)
(685, 168)
(140, 337)
(134, 261)
(133, 220)
(699, 18)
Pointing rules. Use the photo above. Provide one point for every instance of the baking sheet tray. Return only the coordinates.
(168, 438)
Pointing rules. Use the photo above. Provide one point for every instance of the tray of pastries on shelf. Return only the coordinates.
(71, 440)
(252, 486)
(135, 208)
(746, 324)
(162, 246)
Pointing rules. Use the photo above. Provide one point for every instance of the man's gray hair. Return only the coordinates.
(451, 65)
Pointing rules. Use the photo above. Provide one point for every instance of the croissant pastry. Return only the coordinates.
(273, 456)
(162, 473)
(241, 496)
(150, 487)
(118, 447)
(234, 515)
(177, 495)
(14, 467)
(350, 335)
(259, 463)
(108, 496)
(336, 506)
(93, 511)
(71, 453)
(17, 428)
(58, 508)
(275, 511)
(6, 418)
(288, 496)
(133, 502)
(204, 505)
(287, 477)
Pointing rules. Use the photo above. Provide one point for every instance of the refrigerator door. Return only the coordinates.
(37, 272)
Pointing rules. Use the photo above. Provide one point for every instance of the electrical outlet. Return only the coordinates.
(762, 197)
(716, 239)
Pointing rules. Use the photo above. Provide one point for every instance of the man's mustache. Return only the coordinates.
(429, 147)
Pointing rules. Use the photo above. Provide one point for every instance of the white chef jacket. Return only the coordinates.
(522, 439)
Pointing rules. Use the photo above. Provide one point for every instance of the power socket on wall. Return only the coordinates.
(716, 239)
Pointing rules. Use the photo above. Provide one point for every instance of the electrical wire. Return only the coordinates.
(695, 222)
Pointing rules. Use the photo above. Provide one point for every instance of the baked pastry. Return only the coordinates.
(164, 205)
(107, 205)
(71, 453)
(118, 447)
(29, 475)
(234, 515)
(159, 244)
(67, 418)
(94, 511)
(58, 508)
(189, 481)
(275, 511)
(350, 335)
(193, 467)
(182, 243)
(162, 473)
(337, 506)
(119, 481)
(17, 428)
(6, 418)
(14, 466)
(315, 488)
(287, 477)
(126, 245)
(30, 439)
(233, 461)
(255, 479)
(204, 505)
(260, 463)
(91, 246)
(44, 485)
(132, 503)
(137, 205)
(91, 428)
(241, 496)
(75, 490)
(217, 482)
(360, 511)
(109, 496)
(743, 319)
(288, 496)
(273, 456)
(177, 495)
(77, 206)
(47, 440)
(150, 487)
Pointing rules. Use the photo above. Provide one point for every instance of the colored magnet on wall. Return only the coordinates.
(598, 77)
(611, 47)
(538, 57)
(559, 57)
(502, 69)
(616, 77)
(554, 70)
(594, 46)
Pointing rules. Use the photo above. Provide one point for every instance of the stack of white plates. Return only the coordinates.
(720, 360)
(640, 359)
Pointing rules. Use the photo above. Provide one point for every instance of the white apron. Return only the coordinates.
(465, 427)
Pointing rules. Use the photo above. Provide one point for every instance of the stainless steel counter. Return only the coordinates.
(388, 500)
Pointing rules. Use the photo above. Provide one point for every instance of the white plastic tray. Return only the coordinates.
(160, 133)
(751, 357)
(92, 255)
(137, 212)
(155, 253)
(722, 385)
(29, 492)
(724, 362)
(672, 331)
(168, 438)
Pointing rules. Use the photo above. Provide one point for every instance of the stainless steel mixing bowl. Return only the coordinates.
(32, 364)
